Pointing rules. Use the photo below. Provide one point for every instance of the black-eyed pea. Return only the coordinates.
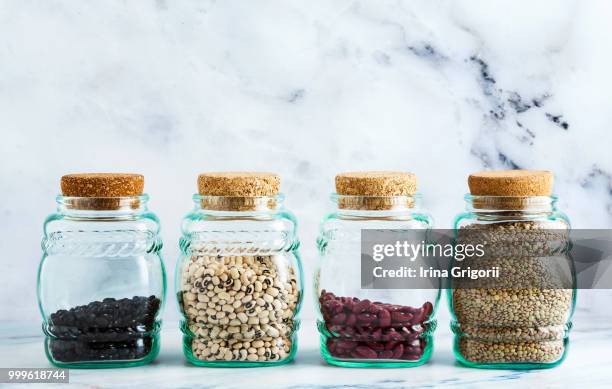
(237, 285)
(249, 334)
(277, 305)
(273, 332)
(243, 354)
(242, 317)
(257, 343)
(201, 306)
(258, 286)
(228, 355)
(272, 291)
(233, 329)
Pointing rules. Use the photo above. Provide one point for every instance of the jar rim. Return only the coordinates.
(510, 203)
(238, 203)
(119, 203)
(396, 203)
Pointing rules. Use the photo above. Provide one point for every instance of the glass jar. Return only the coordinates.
(101, 281)
(523, 319)
(367, 327)
(239, 277)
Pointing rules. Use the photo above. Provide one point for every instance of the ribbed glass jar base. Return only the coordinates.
(188, 351)
(106, 364)
(379, 362)
(514, 354)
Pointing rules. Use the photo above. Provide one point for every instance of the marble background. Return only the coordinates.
(303, 88)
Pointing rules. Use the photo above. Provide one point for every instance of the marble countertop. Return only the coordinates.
(587, 365)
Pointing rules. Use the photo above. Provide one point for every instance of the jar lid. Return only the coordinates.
(379, 184)
(519, 183)
(238, 184)
(102, 185)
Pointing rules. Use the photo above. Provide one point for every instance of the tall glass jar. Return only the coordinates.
(523, 319)
(239, 277)
(370, 327)
(101, 281)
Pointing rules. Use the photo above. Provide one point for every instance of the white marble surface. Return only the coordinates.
(303, 88)
(587, 366)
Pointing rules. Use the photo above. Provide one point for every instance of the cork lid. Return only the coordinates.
(376, 191)
(102, 185)
(521, 183)
(238, 191)
(376, 184)
(102, 191)
(238, 184)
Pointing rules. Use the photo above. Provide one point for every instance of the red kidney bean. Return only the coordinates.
(346, 344)
(366, 352)
(351, 320)
(419, 317)
(401, 317)
(365, 319)
(339, 318)
(376, 346)
(398, 351)
(387, 354)
(373, 330)
(361, 306)
(390, 345)
(384, 318)
(376, 334)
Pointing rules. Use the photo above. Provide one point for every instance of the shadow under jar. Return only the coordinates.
(371, 327)
(101, 281)
(239, 278)
(522, 319)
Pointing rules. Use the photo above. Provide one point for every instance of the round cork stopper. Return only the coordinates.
(238, 184)
(511, 183)
(376, 184)
(102, 185)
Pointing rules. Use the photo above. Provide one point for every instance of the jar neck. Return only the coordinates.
(376, 206)
(511, 205)
(239, 205)
(102, 207)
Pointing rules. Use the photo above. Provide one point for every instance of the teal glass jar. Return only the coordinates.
(371, 327)
(523, 319)
(239, 277)
(101, 280)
